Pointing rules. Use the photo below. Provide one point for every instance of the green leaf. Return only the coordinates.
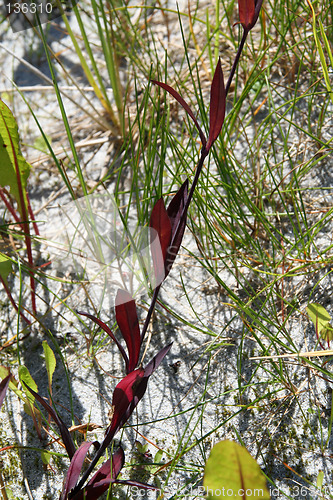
(14, 169)
(23, 395)
(327, 333)
(321, 320)
(46, 457)
(50, 362)
(24, 376)
(320, 479)
(231, 471)
(5, 266)
(40, 143)
(9, 493)
(142, 448)
(158, 456)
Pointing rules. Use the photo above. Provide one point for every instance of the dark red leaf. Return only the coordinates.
(127, 394)
(107, 330)
(128, 323)
(130, 391)
(176, 206)
(184, 104)
(177, 217)
(257, 11)
(101, 481)
(118, 459)
(248, 13)
(75, 468)
(3, 388)
(160, 222)
(156, 361)
(217, 106)
(64, 432)
(246, 9)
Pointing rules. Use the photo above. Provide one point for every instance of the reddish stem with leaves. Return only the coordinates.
(168, 224)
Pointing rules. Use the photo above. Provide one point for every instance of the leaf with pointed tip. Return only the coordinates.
(101, 481)
(177, 218)
(3, 388)
(15, 169)
(5, 267)
(160, 222)
(156, 361)
(107, 330)
(128, 323)
(232, 465)
(126, 396)
(75, 468)
(258, 4)
(50, 362)
(176, 205)
(24, 376)
(65, 435)
(130, 391)
(217, 106)
(187, 108)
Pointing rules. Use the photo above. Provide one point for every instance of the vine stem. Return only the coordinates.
(203, 155)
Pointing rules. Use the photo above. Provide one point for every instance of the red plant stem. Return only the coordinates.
(9, 206)
(13, 301)
(31, 272)
(150, 311)
(204, 153)
(236, 61)
(28, 243)
(32, 217)
(25, 226)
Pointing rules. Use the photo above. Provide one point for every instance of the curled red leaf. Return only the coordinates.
(187, 108)
(107, 330)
